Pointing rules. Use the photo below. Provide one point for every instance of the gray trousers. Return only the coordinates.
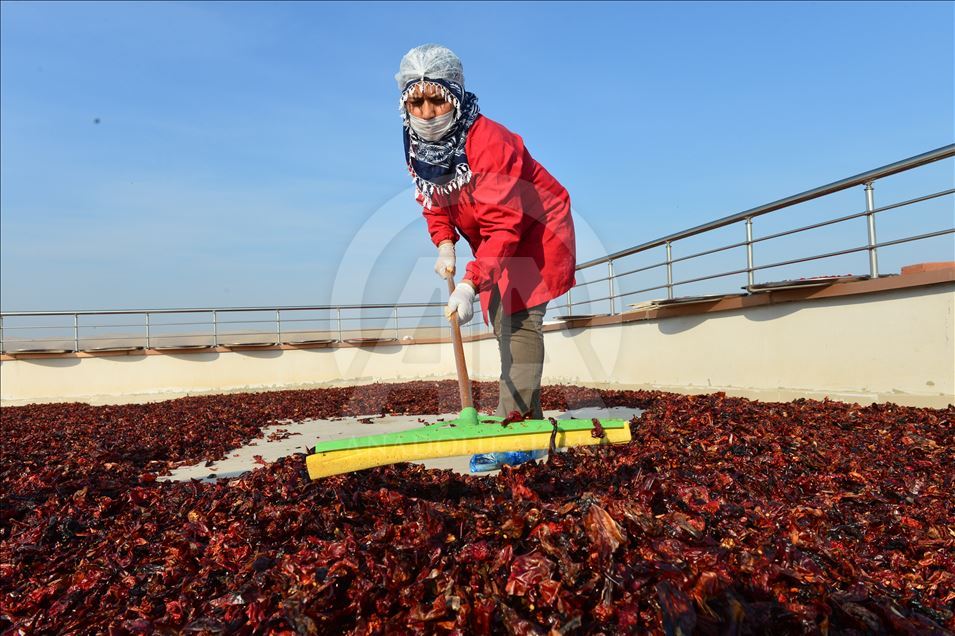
(520, 338)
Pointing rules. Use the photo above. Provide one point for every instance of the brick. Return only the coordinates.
(927, 267)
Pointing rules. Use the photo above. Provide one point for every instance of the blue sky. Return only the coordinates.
(250, 153)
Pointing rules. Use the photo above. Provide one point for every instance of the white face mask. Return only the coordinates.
(432, 129)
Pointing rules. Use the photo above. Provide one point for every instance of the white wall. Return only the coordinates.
(889, 346)
(895, 346)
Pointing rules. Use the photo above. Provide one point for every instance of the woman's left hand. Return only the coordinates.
(462, 302)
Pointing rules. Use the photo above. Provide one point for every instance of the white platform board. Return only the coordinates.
(306, 433)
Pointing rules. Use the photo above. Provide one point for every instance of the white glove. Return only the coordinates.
(461, 302)
(444, 266)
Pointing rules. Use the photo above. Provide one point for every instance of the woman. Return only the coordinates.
(476, 179)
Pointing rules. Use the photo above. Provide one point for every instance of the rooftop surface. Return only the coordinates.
(722, 514)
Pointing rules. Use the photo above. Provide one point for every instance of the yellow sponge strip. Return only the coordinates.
(346, 461)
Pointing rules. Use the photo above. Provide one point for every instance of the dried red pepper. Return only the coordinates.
(722, 515)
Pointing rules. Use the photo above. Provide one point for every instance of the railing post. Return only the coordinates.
(147, 329)
(870, 218)
(669, 270)
(339, 311)
(278, 326)
(215, 329)
(613, 303)
(570, 303)
(396, 323)
(76, 332)
(1, 335)
(750, 278)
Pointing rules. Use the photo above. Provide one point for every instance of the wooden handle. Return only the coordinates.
(464, 382)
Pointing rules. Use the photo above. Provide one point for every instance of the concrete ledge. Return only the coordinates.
(889, 339)
(924, 274)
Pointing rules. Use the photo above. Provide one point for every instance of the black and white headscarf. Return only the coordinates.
(440, 167)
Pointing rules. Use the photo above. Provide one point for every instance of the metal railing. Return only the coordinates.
(286, 324)
(871, 245)
(226, 326)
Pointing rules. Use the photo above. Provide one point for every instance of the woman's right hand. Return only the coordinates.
(444, 266)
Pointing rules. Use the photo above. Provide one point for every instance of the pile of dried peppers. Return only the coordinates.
(724, 515)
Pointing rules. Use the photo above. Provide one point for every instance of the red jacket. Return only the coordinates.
(515, 216)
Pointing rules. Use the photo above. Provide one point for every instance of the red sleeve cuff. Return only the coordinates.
(473, 274)
(441, 237)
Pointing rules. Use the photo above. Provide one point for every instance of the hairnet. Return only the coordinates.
(429, 60)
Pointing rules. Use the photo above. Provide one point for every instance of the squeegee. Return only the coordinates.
(468, 434)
